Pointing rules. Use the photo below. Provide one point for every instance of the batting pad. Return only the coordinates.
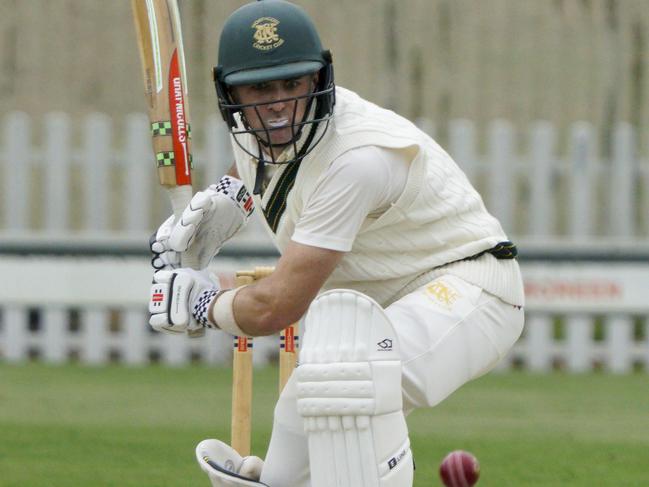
(349, 394)
(221, 463)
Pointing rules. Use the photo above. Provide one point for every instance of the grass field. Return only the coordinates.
(72, 426)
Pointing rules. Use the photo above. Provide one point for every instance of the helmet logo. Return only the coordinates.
(266, 37)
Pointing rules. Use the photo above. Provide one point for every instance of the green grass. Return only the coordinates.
(73, 426)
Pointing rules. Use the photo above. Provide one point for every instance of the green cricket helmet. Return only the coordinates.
(269, 40)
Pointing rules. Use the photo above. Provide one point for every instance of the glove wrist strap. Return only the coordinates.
(202, 307)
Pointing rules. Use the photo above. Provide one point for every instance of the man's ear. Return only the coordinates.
(232, 94)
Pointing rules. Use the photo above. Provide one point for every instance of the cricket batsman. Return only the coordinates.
(408, 287)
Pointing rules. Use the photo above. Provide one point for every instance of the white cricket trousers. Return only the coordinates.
(450, 332)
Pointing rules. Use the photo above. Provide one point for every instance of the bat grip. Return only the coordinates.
(180, 197)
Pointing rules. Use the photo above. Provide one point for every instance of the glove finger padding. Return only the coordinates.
(176, 295)
(163, 258)
(251, 467)
(212, 217)
(164, 300)
(223, 465)
(183, 233)
(168, 260)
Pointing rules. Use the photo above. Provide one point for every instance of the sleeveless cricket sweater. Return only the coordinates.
(438, 220)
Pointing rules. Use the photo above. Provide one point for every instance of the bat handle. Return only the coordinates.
(180, 197)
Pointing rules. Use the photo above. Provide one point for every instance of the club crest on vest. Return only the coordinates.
(442, 293)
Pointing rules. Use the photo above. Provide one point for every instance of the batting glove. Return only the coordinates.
(212, 217)
(226, 468)
(180, 300)
(163, 258)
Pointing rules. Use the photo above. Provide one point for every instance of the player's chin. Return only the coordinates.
(279, 138)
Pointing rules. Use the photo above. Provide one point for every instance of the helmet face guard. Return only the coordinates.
(305, 133)
(269, 40)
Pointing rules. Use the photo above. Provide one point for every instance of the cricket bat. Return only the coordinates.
(157, 24)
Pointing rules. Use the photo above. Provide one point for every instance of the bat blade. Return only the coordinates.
(157, 24)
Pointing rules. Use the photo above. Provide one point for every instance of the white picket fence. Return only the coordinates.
(532, 180)
(104, 183)
(88, 183)
(93, 310)
(75, 308)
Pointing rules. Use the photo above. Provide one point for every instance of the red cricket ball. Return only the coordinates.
(459, 469)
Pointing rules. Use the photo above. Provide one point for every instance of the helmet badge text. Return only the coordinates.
(266, 36)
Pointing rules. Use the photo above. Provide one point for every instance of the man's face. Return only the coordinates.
(275, 110)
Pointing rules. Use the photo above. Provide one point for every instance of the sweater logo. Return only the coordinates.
(265, 35)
